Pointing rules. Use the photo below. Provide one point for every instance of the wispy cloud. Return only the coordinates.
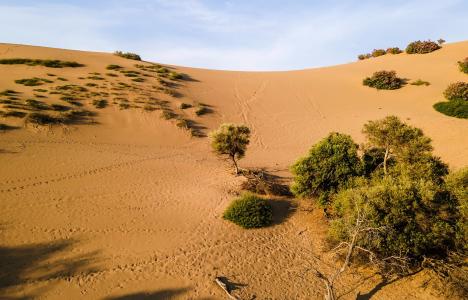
(245, 35)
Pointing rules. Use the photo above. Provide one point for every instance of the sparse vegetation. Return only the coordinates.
(5, 127)
(13, 113)
(249, 211)
(463, 65)
(113, 67)
(128, 55)
(384, 80)
(422, 47)
(167, 114)
(41, 62)
(393, 50)
(231, 140)
(380, 52)
(101, 103)
(43, 119)
(201, 110)
(35, 81)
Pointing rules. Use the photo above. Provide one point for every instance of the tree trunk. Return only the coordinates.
(235, 164)
(385, 161)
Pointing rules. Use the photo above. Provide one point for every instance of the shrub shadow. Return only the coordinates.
(282, 210)
(161, 294)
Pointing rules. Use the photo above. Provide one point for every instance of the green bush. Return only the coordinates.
(384, 80)
(417, 218)
(249, 211)
(422, 47)
(364, 56)
(463, 65)
(453, 108)
(393, 50)
(128, 55)
(457, 91)
(330, 164)
(13, 113)
(201, 110)
(378, 52)
(40, 62)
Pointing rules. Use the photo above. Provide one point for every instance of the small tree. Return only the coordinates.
(330, 163)
(231, 140)
(397, 139)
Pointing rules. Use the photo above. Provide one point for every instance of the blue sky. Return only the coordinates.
(236, 35)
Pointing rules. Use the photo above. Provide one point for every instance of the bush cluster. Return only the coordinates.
(380, 52)
(128, 55)
(249, 211)
(41, 62)
(384, 80)
(413, 209)
(422, 47)
(463, 65)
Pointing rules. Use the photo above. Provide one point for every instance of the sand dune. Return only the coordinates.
(129, 207)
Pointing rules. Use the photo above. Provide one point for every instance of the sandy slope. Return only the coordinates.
(130, 207)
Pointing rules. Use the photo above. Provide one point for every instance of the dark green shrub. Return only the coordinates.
(422, 47)
(9, 93)
(393, 50)
(384, 80)
(330, 163)
(453, 108)
(40, 62)
(102, 103)
(457, 91)
(372, 159)
(420, 82)
(463, 65)
(249, 211)
(417, 218)
(128, 55)
(378, 52)
(175, 76)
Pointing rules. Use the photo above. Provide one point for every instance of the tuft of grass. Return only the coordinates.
(128, 55)
(112, 75)
(185, 105)
(99, 104)
(202, 110)
(40, 90)
(37, 105)
(167, 114)
(59, 107)
(124, 105)
(9, 93)
(113, 67)
(420, 82)
(184, 124)
(50, 63)
(62, 79)
(148, 107)
(138, 79)
(91, 84)
(95, 77)
(453, 108)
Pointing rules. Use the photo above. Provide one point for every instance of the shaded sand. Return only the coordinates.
(129, 207)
